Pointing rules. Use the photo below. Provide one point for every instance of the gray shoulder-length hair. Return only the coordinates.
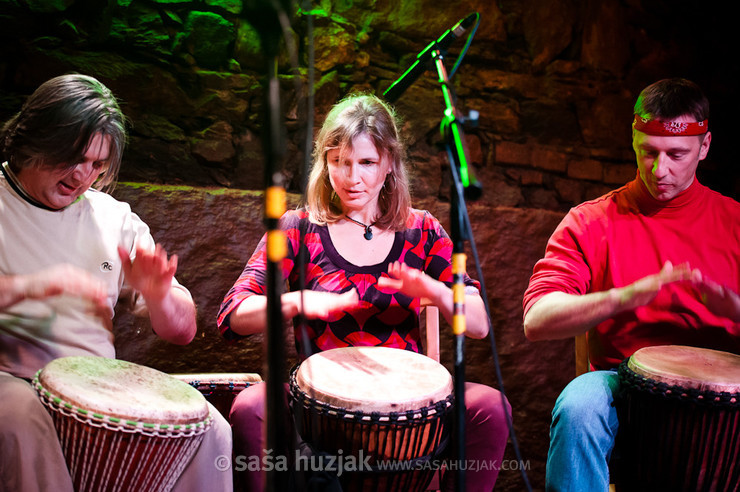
(356, 115)
(57, 123)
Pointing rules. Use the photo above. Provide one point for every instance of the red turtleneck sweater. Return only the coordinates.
(626, 235)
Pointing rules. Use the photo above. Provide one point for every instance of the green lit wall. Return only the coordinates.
(553, 81)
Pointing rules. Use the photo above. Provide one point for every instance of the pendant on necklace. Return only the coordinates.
(368, 232)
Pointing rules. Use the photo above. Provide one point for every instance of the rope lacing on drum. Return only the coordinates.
(382, 418)
(631, 380)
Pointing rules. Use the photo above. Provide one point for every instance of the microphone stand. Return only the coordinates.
(277, 414)
(266, 23)
(452, 132)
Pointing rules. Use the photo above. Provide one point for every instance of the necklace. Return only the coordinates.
(368, 232)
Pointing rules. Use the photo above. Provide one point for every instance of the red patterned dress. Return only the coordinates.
(382, 318)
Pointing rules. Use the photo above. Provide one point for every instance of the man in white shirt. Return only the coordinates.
(68, 254)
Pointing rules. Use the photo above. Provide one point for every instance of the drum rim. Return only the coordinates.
(631, 380)
(123, 389)
(361, 356)
(95, 418)
(219, 380)
(435, 410)
(658, 362)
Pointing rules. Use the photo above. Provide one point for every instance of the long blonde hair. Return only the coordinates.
(356, 115)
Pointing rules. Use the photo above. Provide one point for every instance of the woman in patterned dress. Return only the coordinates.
(369, 260)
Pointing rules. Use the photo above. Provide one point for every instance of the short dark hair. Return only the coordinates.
(58, 121)
(668, 99)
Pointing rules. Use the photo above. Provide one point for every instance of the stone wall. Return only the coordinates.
(553, 80)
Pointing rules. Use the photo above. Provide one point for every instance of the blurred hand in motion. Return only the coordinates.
(647, 288)
(58, 280)
(326, 305)
(720, 300)
(150, 272)
(408, 281)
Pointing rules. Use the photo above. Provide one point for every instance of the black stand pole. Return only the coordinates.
(277, 414)
(263, 15)
(452, 133)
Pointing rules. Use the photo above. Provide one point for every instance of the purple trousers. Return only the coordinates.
(486, 434)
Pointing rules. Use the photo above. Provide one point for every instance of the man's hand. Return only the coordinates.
(559, 315)
(171, 311)
(150, 273)
(55, 281)
(647, 288)
(719, 299)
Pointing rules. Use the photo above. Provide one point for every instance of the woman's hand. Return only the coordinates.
(417, 284)
(250, 315)
(324, 305)
(408, 281)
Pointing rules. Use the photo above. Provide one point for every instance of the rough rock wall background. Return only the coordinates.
(553, 80)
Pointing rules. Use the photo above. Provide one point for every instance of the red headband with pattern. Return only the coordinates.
(670, 128)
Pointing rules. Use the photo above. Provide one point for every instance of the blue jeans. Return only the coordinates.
(582, 434)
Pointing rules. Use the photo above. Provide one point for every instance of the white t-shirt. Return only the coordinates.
(85, 234)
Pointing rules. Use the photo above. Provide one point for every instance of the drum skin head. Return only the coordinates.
(688, 367)
(374, 379)
(125, 390)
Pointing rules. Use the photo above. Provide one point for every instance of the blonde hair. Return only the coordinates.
(356, 115)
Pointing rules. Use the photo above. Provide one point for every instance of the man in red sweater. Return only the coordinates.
(655, 262)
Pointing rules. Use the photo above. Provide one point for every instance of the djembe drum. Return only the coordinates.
(220, 388)
(679, 420)
(384, 410)
(122, 426)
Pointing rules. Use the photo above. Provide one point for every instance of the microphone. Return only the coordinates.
(422, 59)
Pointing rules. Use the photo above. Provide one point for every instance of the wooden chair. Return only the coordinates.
(429, 328)
(582, 363)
